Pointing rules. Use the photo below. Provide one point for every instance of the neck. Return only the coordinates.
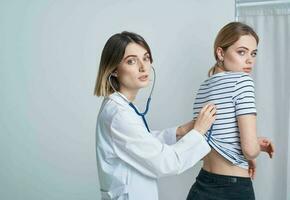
(130, 95)
(218, 70)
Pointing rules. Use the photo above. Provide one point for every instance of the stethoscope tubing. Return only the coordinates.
(142, 114)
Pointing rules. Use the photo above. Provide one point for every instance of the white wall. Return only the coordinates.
(49, 52)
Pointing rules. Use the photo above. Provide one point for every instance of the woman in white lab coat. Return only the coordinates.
(130, 156)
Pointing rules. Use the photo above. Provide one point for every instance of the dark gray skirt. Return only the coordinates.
(209, 186)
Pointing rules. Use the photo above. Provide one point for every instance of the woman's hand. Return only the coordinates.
(266, 145)
(252, 168)
(205, 118)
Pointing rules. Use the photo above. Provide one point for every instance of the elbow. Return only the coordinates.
(251, 154)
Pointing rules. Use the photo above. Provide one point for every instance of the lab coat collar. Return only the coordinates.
(116, 97)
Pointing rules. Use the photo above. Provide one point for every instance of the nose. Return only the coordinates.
(141, 66)
(250, 59)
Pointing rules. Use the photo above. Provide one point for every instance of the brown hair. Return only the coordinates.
(111, 57)
(228, 35)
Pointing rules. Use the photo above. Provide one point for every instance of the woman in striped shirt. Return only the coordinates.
(227, 170)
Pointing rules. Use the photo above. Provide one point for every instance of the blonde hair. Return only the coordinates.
(227, 36)
(111, 57)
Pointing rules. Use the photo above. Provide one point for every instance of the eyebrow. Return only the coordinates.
(135, 56)
(246, 48)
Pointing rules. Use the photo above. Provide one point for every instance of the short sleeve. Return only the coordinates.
(244, 96)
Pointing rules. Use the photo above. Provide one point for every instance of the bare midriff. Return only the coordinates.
(217, 164)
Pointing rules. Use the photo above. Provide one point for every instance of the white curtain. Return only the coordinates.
(272, 81)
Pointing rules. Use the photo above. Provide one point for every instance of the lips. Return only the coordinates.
(247, 69)
(143, 78)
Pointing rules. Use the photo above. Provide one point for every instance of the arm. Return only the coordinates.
(245, 108)
(184, 129)
(172, 135)
(267, 146)
(169, 136)
(248, 136)
(202, 123)
(138, 148)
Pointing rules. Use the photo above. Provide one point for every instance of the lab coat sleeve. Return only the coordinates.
(138, 148)
(167, 136)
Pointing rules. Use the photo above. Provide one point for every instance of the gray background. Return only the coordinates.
(49, 53)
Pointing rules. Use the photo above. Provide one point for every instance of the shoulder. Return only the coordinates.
(245, 76)
(244, 79)
(120, 113)
(239, 77)
(113, 109)
(226, 78)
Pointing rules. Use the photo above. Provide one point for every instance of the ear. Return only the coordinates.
(115, 74)
(220, 53)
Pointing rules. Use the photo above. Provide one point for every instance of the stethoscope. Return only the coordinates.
(132, 105)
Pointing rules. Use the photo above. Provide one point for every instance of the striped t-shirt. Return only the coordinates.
(233, 94)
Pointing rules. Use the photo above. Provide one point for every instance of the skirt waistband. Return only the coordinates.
(218, 178)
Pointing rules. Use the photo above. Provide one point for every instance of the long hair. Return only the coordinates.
(228, 35)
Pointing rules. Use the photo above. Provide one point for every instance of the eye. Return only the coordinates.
(241, 52)
(254, 54)
(131, 61)
(147, 58)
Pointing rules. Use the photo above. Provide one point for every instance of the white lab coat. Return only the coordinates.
(130, 159)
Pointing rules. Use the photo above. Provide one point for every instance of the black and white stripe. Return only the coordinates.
(234, 94)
